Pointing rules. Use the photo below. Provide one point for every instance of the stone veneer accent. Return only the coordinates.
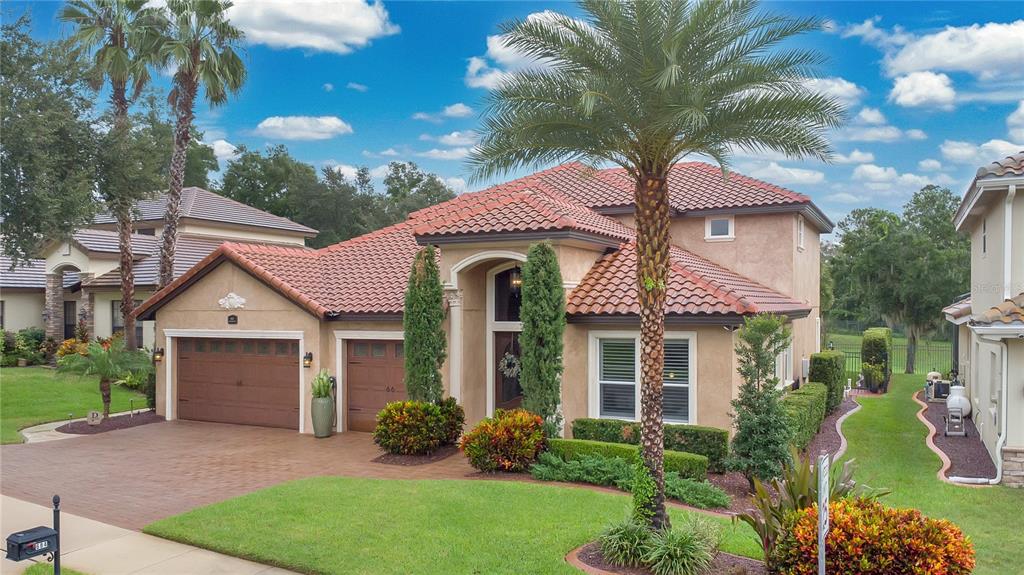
(1013, 467)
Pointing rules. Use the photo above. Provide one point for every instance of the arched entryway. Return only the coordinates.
(504, 301)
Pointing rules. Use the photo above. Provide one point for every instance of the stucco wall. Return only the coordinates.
(103, 320)
(1015, 395)
(987, 267)
(22, 309)
(265, 310)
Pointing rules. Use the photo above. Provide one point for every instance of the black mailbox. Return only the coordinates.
(32, 542)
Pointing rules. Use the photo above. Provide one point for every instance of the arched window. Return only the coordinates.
(508, 294)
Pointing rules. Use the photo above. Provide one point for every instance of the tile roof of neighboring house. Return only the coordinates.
(1010, 311)
(516, 207)
(368, 274)
(958, 309)
(31, 275)
(189, 251)
(201, 204)
(1012, 165)
(693, 187)
(696, 286)
(105, 241)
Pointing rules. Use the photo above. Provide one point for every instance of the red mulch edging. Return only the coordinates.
(111, 423)
(967, 455)
(411, 460)
(724, 563)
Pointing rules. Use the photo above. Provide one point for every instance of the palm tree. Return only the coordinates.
(643, 84)
(200, 46)
(110, 361)
(123, 36)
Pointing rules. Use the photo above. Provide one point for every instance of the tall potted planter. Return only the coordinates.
(323, 405)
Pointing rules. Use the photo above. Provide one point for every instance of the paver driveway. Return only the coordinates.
(133, 477)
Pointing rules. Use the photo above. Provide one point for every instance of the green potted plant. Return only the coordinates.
(323, 405)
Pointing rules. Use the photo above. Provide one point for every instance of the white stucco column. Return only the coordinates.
(455, 344)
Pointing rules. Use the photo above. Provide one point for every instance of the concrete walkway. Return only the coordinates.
(101, 549)
(48, 431)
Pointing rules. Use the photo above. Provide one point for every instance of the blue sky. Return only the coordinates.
(934, 89)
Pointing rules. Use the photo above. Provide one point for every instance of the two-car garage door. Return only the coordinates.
(246, 381)
(256, 381)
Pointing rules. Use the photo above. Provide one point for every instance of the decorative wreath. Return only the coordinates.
(509, 365)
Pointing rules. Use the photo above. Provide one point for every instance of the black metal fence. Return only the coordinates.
(929, 356)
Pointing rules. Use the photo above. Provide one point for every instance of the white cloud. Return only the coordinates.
(1015, 123)
(328, 87)
(841, 89)
(346, 170)
(871, 134)
(967, 153)
(479, 74)
(380, 171)
(854, 157)
(887, 178)
(915, 134)
(447, 154)
(338, 26)
(390, 152)
(873, 173)
(845, 198)
(872, 116)
(489, 70)
(929, 165)
(303, 127)
(223, 150)
(456, 110)
(878, 37)
(457, 138)
(357, 86)
(458, 185)
(923, 89)
(988, 51)
(778, 174)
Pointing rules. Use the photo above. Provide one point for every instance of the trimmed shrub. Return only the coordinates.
(543, 317)
(701, 494)
(686, 550)
(592, 469)
(410, 428)
(454, 420)
(688, 465)
(876, 350)
(868, 538)
(805, 409)
(711, 442)
(625, 543)
(829, 367)
(425, 340)
(509, 441)
(150, 390)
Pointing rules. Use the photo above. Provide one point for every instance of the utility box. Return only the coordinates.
(30, 543)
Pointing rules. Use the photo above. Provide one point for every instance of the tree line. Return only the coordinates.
(897, 269)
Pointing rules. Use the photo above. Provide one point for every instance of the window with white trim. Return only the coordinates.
(719, 228)
(618, 371)
(784, 366)
(800, 232)
(984, 236)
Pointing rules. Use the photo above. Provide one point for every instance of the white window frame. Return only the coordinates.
(800, 233)
(727, 238)
(594, 338)
(784, 367)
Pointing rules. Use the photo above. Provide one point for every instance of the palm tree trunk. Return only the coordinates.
(105, 392)
(124, 242)
(652, 224)
(182, 136)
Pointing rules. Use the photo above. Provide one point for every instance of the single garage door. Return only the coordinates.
(375, 370)
(246, 381)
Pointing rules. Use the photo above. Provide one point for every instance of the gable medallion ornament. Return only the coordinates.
(232, 301)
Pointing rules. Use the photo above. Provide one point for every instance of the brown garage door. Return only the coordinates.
(247, 381)
(375, 369)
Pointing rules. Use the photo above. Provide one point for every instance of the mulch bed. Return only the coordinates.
(111, 423)
(967, 455)
(828, 440)
(735, 484)
(724, 564)
(411, 460)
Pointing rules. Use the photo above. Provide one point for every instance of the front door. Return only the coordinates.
(507, 392)
(70, 318)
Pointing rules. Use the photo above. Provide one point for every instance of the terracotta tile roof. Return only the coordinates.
(696, 286)
(958, 309)
(1012, 165)
(203, 204)
(519, 206)
(1010, 311)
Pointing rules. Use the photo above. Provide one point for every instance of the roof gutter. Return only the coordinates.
(974, 194)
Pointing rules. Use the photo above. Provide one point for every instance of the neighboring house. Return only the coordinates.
(990, 338)
(235, 326)
(78, 278)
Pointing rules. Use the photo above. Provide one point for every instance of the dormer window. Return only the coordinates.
(719, 228)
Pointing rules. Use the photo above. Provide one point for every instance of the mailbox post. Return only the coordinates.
(38, 541)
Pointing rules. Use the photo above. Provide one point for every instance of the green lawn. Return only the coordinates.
(887, 440)
(47, 569)
(354, 525)
(34, 395)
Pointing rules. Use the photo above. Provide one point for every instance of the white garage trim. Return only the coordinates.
(340, 337)
(170, 334)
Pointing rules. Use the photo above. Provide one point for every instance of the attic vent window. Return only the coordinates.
(719, 228)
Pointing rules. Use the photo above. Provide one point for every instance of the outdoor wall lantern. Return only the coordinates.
(307, 360)
(515, 279)
(158, 354)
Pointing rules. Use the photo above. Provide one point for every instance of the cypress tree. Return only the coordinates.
(543, 317)
(425, 342)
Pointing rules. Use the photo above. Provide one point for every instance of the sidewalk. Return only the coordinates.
(99, 549)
